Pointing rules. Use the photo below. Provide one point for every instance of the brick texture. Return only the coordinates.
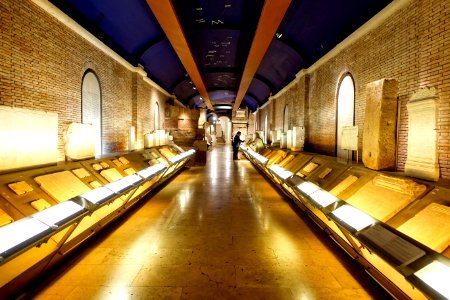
(411, 46)
(42, 63)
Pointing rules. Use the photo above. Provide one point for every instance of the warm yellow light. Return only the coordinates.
(181, 156)
(97, 195)
(257, 156)
(281, 172)
(308, 187)
(437, 276)
(20, 231)
(122, 184)
(150, 171)
(353, 217)
(55, 214)
(323, 198)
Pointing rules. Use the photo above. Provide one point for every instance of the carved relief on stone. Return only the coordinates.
(422, 159)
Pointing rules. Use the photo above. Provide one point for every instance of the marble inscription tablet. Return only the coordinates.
(111, 174)
(385, 196)
(40, 204)
(5, 218)
(62, 186)
(20, 187)
(431, 227)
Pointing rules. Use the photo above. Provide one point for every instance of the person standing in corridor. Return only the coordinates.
(236, 143)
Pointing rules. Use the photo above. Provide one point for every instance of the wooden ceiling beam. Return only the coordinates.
(167, 19)
(271, 16)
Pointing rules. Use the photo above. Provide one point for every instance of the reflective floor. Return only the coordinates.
(215, 232)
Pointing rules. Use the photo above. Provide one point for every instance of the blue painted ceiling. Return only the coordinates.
(219, 34)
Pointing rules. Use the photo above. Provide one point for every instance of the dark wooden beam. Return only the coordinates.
(271, 16)
(167, 19)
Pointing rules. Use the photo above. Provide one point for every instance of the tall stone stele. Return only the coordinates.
(422, 161)
(379, 134)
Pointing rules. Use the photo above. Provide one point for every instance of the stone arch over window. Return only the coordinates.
(345, 110)
(91, 106)
(156, 116)
(286, 118)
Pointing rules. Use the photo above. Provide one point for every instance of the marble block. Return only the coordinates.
(430, 226)
(298, 138)
(62, 186)
(80, 141)
(384, 196)
(40, 204)
(20, 187)
(111, 174)
(5, 218)
(283, 140)
(289, 139)
(149, 140)
(161, 133)
(380, 125)
(343, 185)
(422, 159)
(28, 138)
(81, 173)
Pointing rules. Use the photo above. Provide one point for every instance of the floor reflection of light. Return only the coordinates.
(183, 198)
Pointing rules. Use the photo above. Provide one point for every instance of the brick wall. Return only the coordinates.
(412, 46)
(42, 63)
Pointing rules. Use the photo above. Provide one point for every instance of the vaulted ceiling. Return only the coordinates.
(221, 54)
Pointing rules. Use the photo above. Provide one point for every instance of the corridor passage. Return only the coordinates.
(219, 231)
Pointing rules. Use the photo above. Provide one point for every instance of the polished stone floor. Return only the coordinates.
(215, 232)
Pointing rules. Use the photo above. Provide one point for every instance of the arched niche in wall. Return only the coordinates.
(156, 116)
(286, 119)
(345, 110)
(91, 106)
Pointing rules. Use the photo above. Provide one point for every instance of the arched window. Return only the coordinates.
(286, 119)
(91, 106)
(345, 110)
(156, 116)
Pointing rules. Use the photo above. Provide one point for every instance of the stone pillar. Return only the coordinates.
(379, 135)
(422, 160)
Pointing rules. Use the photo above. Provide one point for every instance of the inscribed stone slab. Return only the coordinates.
(4, 218)
(385, 196)
(422, 159)
(431, 227)
(81, 173)
(20, 187)
(111, 174)
(40, 204)
(380, 122)
(62, 186)
(80, 141)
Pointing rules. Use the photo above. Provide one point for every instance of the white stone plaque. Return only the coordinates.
(349, 138)
(80, 141)
(289, 139)
(28, 138)
(422, 160)
(298, 138)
